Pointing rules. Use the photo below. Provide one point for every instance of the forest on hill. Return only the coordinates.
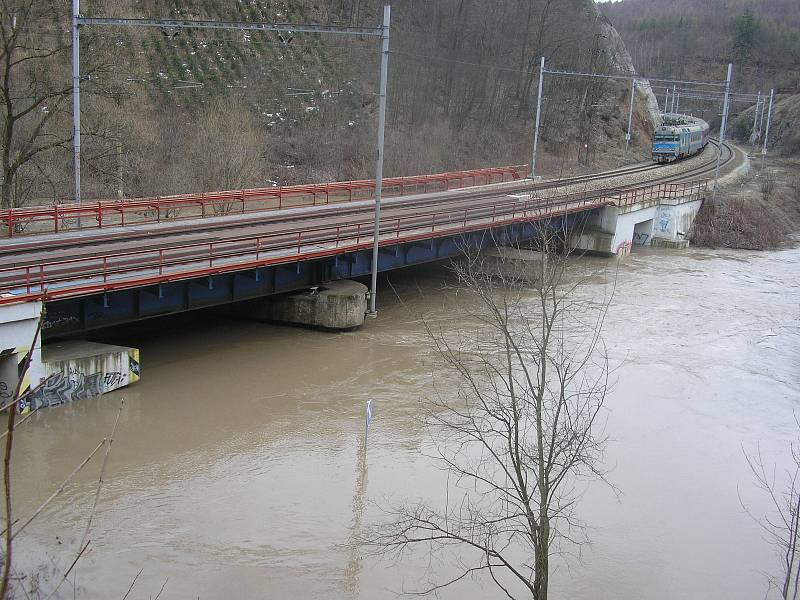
(697, 38)
(169, 111)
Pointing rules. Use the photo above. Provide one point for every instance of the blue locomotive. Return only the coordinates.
(679, 136)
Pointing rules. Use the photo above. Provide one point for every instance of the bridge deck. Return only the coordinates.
(81, 263)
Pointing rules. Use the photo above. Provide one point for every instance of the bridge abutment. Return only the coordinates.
(613, 230)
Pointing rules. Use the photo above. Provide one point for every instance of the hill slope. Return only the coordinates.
(168, 111)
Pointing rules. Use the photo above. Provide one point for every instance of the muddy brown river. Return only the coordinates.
(236, 470)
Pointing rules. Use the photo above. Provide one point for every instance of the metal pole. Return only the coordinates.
(755, 133)
(672, 106)
(761, 118)
(373, 295)
(766, 132)
(678, 102)
(666, 100)
(538, 116)
(630, 117)
(76, 98)
(722, 131)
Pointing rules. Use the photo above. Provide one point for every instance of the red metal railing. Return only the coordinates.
(685, 192)
(115, 213)
(121, 270)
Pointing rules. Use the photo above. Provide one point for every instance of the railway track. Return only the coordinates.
(214, 229)
(328, 224)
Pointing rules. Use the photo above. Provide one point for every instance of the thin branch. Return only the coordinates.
(102, 473)
(60, 489)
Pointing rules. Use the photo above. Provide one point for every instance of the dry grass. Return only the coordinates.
(760, 216)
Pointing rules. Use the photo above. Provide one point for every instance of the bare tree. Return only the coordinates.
(782, 525)
(9, 582)
(228, 147)
(33, 96)
(532, 377)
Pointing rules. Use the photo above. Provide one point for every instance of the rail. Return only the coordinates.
(114, 213)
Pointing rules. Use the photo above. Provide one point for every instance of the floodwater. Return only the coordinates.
(236, 470)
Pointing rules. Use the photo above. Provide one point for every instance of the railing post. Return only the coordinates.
(55, 218)
(210, 255)
(99, 215)
(161, 261)
(105, 269)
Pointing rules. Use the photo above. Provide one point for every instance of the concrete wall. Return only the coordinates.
(17, 328)
(76, 370)
(672, 221)
(643, 233)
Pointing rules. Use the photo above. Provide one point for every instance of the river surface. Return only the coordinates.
(236, 469)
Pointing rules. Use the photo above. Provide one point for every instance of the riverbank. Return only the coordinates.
(760, 212)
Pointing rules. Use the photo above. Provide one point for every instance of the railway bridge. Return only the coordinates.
(99, 264)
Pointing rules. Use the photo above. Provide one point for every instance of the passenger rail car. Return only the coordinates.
(679, 136)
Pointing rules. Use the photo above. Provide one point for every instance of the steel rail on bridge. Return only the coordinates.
(112, 213)
(129, 269)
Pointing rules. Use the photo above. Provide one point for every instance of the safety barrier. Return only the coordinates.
(685, 191)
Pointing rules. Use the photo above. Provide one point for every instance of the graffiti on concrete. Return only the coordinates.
(640, 239)
(664, 219)
(59, 321)
(624, 248)
(67, 387)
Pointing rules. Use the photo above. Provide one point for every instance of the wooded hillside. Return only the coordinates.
(697, 38)
(169, 111)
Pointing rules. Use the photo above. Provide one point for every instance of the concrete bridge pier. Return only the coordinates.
(335, 305)
(18, 324)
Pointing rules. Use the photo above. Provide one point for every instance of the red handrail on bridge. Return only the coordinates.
(112, 213)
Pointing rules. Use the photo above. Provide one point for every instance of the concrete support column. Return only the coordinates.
(18, 324)
(336, 305)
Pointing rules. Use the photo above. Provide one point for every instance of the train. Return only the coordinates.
(679, 136)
